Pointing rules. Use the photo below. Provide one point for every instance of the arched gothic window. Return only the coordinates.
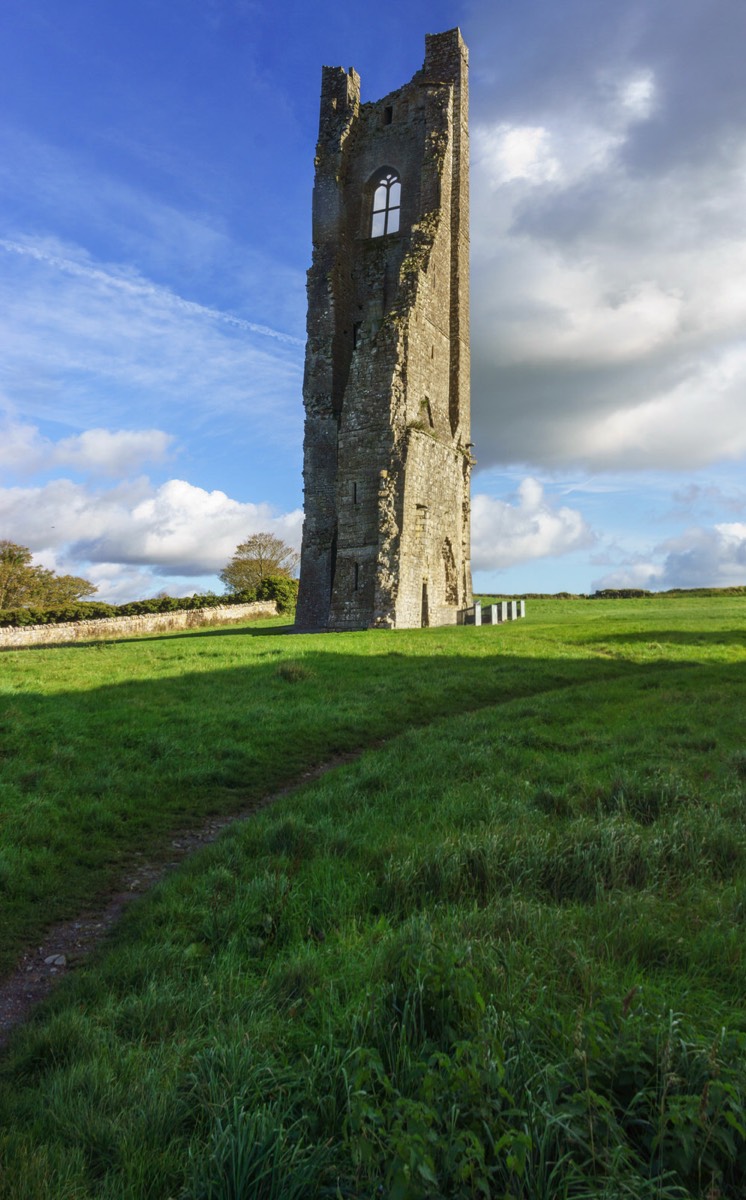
(386, 205)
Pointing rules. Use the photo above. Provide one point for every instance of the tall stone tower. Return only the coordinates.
(387, 455)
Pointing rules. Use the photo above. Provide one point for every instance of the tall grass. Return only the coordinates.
(500, 955)
(107, 749)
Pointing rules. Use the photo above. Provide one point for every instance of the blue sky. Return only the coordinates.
(156, 162)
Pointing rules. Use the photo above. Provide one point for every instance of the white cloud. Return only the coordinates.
(642, 574)
(504, 534)
(131, 539)
(22, 447)
(569, 145)
(637, 95)
(118, 583)
(713, 556)
(176, 529)
(574, 318)
(506, 152)
(23, 450)
(689, 425)
(668, 427)
(608, 327)
(101, 451)
(609, 256)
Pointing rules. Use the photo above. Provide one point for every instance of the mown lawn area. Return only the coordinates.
(501, 954)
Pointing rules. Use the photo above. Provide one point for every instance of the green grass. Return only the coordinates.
(106, 748)
(499, 955)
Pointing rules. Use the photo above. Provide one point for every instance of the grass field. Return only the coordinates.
(501, 954)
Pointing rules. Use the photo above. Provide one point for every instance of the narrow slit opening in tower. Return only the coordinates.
(425, 613)
(332, 561)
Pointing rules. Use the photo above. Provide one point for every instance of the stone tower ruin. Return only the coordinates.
(387, 455)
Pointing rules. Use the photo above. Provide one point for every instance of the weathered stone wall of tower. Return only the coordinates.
(387, 452)
(322, 390)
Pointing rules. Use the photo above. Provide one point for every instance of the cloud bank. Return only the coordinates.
(131, 537)
(24, 450)
(700, 557)
(504, 534)
(609, 250)
(175, 528)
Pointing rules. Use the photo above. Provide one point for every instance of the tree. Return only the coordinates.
(14, 570)
(23, 585)
(57, 590)
(261, 555)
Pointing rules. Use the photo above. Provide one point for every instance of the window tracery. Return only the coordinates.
(386, 205)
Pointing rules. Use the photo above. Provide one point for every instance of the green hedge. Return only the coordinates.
(638, 593)
(621, 594)
(485, 598)
(279, 588)
(615, 594)
(80, 611)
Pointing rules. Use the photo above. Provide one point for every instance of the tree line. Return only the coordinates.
(24, 584)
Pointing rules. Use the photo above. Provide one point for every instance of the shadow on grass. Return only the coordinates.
(672, 637)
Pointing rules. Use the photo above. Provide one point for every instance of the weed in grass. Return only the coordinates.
(738, 909)
(65, 1039)
(426, 1102)
(293, 672)
(292, 984)
(292, 838)
(552, 802)
(257, 1154)
(739, 763)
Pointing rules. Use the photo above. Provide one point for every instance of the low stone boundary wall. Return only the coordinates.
(114, 627)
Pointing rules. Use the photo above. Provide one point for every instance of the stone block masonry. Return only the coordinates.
(112, 628)
(387, 455)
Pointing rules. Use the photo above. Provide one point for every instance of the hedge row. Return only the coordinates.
(282, 590)
(616, 594)
(636, 593)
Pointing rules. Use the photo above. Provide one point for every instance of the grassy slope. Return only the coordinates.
(496, 956)
(108, 747)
